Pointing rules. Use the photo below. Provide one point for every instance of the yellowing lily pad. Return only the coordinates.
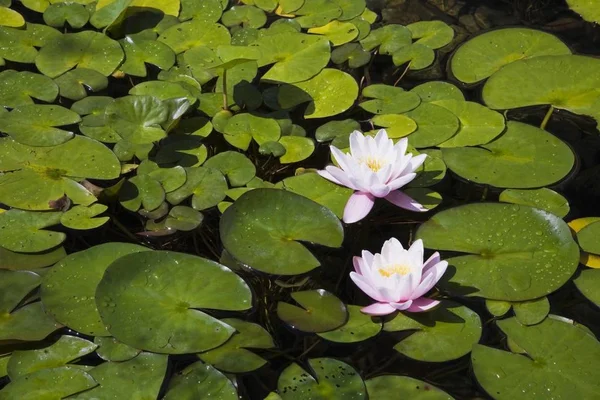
(11, 18)
(337, 32)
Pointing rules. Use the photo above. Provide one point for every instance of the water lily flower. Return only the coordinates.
(375, 167)
(397, 278)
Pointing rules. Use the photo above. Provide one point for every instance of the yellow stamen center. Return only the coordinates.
(394, 269)
(373, 163)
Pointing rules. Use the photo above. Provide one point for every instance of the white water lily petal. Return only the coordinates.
(366, 287)
(378, 309)
(358, 207)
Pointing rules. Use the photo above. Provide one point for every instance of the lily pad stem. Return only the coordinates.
(404, 73)
(225, 89)
(547, 117)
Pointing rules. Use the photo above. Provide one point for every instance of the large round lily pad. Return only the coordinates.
(443, 334)
(392, 387)
(561, 360)
(566, 82)
(517, 253)
(524, 156)
(321, 311)
(263, 227)
(435, 125)
(69, 288)
(162, 293)
(487, 53)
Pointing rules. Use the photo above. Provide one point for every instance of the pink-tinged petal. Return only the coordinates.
(437, 270)
(358, 264)
(431, 261)
(403, 201)
(358, 206)
(379, 190)
(357, 144)
(366, 286)
(401, 181)
(417, 161)
(425, 286)
(401, 146)
(401, 306)
(378, 309)
(415, 253)
(367, 257)
(341, 158)
(384, 174)
(422, 304)
(400, 166)
(327, 175)
(405, 286)
(341, 176)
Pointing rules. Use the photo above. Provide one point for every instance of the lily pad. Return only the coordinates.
(187, 35)
(435, 125)
(247, 16)
(137, 119)
(351, 52)
(487, 53)
(85, 49)
(207, 10)
(317, 13)
(389, 39)
(438, 90)
(524, 156)
(560, 359)
(27, 323)
(183, 218)
(74, 84)
(357, 328)
(20, 88)
(64, 350)
(51, 383)
(59, 14)
(397, 125)
(329, 93)
(163, 292)
(69, 288)
(199, 380)
(238, 169)
(182, 150)
(498, 308)
(297, 148)
(336, 379)
(588, 283)
(433, 34)
(110, 349)
(23, 261)
(443, 334)
(35, 125)
(337, 32)
(517, 253)
(20, 45)
(207, 185)
(139, 51)
(261, 228)
(418, 56)
(388, 99)
(428, 198)
(432, 171)
(241, 128)
(331, 129)
(566, 82)
(142, 191)
(10, 18)
(390, 387)
(235, 355)
(589, 239)
(532, 312)
(588, 10)
(321, 311)
(544, 198)
(82, 217)
(30, 237)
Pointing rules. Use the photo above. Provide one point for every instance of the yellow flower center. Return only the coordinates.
(373, 163)
(394, 269)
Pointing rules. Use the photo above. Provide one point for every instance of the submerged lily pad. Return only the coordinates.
(517, 253)
(262, 227)
(357, 328)
(524, 156)
(199, 380)
(560, 359)
(69, 288)
(544, 198)
(321, 311)
(391, 387)
(487, 53)
(335, 378)
(20, 88)
(443, 334)
(163, 292)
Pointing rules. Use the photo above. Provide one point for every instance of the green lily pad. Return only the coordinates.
(245, 126)
(199, 380)
(331, 129)
(389, 39)
(75, 84)
(337, 32)
(238, 169)
(82, 217)
(566, 82)
(51, 383)
(589, 239)
(59, 14)
(432, 171)
(30, 237)
(317, 13)
(23, 261)
(207, 10)
(321, 311)
(187, 35)
(163, 292)
(363, 26)
(139, 51)
(274, 149)
(437, 90)
(487, 53)
(433, 34)
(125, 150)
(141, 377)
(397, 125)
(329, 93)
(182, 150)
(11, 18)
(20, 45)
(443, 334)
(435, 125)
(390, 387)
(498, 308)
(110, 349)
(15, 286)
(163, 90)
(524, 156)
(351, 52)
(319, 190)
(388, 99)
(69, 288)
(517, 253)
(296, 56)
(297, 148)
(428, 198)
(35, 125)
(137, 119)
(532, 312)
(183, 218)
(171, 178)
(64, 350)
(588, 10)
(27, 323)
(351, 8)
(261, 228)
(20, 88)
(234, 356)
(588, 284)
(330, 379)
(207, 185)
(247, 16)
(85, 49)
(417, 55)
(560, 360)
(544, 198)
(357, 328)
(142, 191)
